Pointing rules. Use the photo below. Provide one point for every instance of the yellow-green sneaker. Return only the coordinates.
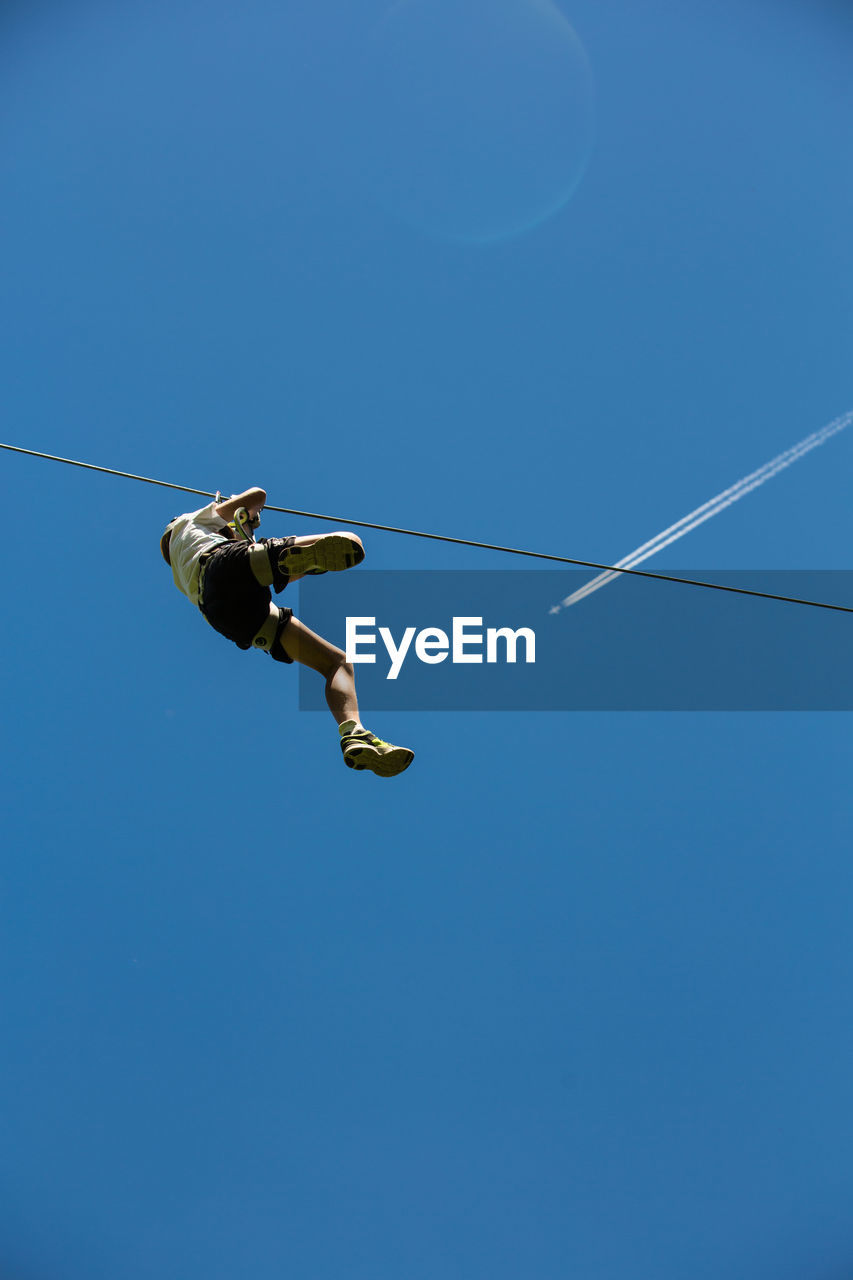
(330, 553)
(363, 750)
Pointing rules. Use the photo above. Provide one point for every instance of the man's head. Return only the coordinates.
(165, 540)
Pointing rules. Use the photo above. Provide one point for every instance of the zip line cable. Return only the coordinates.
(438, 537)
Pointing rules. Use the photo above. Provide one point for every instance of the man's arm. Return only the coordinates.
(253, 500)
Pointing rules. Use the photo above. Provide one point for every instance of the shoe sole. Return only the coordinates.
(384, 765)
(330, 554)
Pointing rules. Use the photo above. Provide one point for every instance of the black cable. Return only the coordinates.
(461, 542)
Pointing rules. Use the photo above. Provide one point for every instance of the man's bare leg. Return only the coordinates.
(304, 645)
(361, 749)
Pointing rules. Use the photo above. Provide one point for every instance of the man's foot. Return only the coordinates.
(329, 554)
(364, 751)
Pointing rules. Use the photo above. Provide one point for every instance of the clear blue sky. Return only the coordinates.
(570, 1000)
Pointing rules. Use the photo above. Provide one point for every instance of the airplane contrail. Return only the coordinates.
(708, 509)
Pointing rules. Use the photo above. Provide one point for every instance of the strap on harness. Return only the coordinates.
(259, 562)
(265, 638)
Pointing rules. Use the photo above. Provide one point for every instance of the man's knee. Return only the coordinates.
(337, 662)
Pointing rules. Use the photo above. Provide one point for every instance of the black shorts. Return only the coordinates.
(234, 602)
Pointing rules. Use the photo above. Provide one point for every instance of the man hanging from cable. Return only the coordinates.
(218, 565)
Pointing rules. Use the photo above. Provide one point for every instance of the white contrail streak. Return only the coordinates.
(710, 508)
